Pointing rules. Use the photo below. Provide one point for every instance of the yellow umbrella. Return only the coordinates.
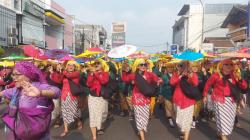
(87, 53)
(161, 55)
(7, 63)
(173, 61)
(208, 55)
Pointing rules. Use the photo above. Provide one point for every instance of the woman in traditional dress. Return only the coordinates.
(140, 102)
(198, 104)
(52, 79)
(69, 102)
(98, 106)
(166, 93)
(224, 98)
(31, 104)
(184, 105)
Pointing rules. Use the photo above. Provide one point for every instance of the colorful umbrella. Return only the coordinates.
(235, 55)
(7, 63)
(189, 55)
(56, 53)
(32, 51)
(122, 51)
(96, 49)
(139, 54)
(67, 58)
(162, 55)
(14, 57)
(174, 61)
(87, 53)
(207, 55)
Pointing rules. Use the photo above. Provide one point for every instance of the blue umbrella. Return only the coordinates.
(189, 55)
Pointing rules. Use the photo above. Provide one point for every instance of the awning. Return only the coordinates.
(54, 16)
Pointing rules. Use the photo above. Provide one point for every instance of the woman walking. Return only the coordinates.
(30, 106)
(69, 102)
(166, 92)
(224, 96)
(140, 102)
(98, 106)
(184, 104)
(52, 79)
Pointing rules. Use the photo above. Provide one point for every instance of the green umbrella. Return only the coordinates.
(14, 57)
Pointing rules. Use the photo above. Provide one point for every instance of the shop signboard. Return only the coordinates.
(118, 33)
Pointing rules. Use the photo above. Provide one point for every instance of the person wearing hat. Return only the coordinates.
(30, 107)
(184, 105)
(198, 104)
(140, 102)
(166, 93)
(225, 96)
(69, 102)
(98, 106)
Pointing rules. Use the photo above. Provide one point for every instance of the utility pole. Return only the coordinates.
(203, 18)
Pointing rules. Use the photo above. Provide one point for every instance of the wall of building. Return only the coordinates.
(32, 23)
(54, 37)
(7, 20)
(68, 33)
(194, 27)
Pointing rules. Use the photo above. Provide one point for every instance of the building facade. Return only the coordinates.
(87, 36)
(8, 31)
(31, 23)
(237, 24)
(188, 30)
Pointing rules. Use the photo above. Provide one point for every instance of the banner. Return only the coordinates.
(118, 39)
(118, 34)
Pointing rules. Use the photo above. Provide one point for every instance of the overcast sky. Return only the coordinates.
(149, 21)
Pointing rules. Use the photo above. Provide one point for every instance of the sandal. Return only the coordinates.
(56, 126)
(64, 134)
(100, 132)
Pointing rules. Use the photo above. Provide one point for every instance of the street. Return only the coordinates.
(120, 128)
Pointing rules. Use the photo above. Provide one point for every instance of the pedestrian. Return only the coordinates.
(69, 102)
(98, 106)
(198, 104)
(30, 106)
(126, 90)
(140, 102)
(55, 75)
(225, 96)
(184, 105)
(166, 93)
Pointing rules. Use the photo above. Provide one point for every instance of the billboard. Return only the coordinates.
(118, 34)
(174, 49)
(118, 39)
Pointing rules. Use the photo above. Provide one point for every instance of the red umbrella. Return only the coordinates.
(139, 54)
(96, 49)
(66, 58)
(235, 55)
(56, 53)
(32, 51)
(244, 50)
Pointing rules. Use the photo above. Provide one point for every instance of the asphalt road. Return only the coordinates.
(120, 128)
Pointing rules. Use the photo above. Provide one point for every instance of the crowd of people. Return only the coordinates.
(42, 93)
